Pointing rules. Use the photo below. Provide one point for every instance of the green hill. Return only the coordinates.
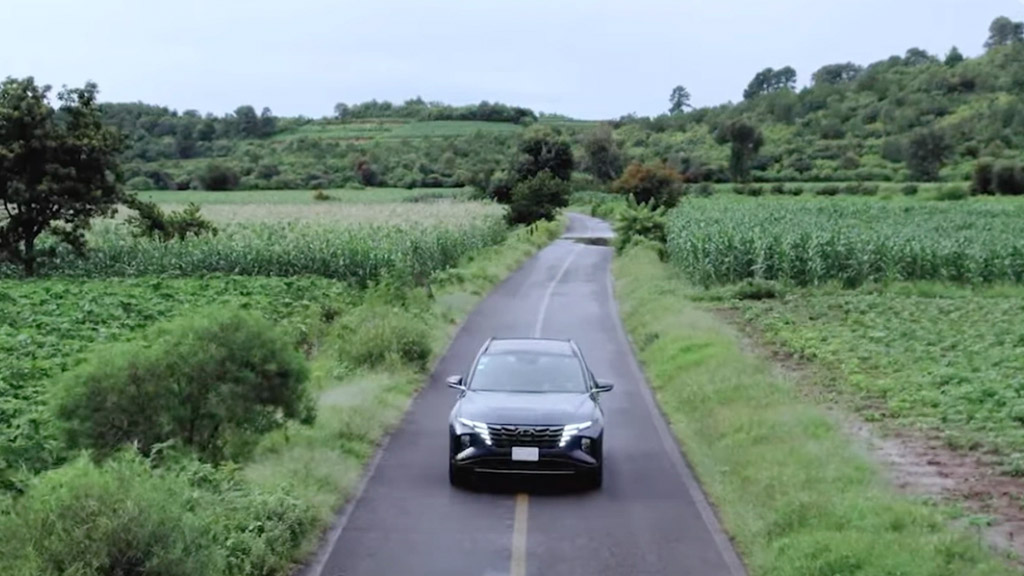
(911, 117)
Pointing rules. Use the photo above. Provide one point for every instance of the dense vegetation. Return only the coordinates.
(912, 117)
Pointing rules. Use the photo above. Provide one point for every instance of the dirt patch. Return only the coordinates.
(915, 462)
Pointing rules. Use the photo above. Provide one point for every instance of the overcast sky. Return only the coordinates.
(585, 58)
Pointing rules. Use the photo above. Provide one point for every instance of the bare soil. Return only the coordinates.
(916, 462)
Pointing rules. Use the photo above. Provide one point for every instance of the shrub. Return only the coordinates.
(860, 189)
(150, 221)
(321, 196)
(952, 192)
(639, 222)
(538, 198)
(748, 190)
(909, 189)
(376, 334)
(211, 382)
(704, 190)
(1008, 178)
(983, 181)
(654, 184)
(830, 190)
(779, 188)
(139, 184)
(216, 176)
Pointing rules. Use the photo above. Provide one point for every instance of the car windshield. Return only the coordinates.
(528, 372)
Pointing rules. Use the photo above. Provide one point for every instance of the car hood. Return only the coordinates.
(535, 409)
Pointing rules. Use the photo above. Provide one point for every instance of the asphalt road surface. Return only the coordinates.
(650, 516)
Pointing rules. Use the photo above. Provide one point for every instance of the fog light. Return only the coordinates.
(585, 444)
(466, 440)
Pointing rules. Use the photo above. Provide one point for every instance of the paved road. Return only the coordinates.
(648, 519)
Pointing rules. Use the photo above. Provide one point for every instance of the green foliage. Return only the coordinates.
(1004, 31)
(150, 221)
(653, 184)
(927, 151)
(212, 382)
(382, 333)
(679, 100)
(601, 155)
(847, 241)
(538, 198)
(984, 177)
(58, 168)
(746, 141)
(909, 189)
(1008, 178)
(360, 254)
(640, 223)
(217, 176)
(952, 192)
(543, 150)
(128, 518)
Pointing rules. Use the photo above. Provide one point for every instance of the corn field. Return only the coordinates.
(359, 253)
(810, 242)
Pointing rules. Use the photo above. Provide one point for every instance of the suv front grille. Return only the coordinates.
(527, 436)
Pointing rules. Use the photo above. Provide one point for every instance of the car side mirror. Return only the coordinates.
(456, 382)
(604, 386)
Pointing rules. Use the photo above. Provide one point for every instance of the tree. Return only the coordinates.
(538, 198)
(746, 140)
(341, 111)
(954, 58)
(58, 168)
(601, 156)
(918, 57)
(834, 74)
(1004, 31)
(247, 123)
(654, 185)
(543, 149)
(680, 100)
(926, 153)
(268, 123)
(770, 80)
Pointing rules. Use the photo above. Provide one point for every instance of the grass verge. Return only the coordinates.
(322, 464)
(797, 495)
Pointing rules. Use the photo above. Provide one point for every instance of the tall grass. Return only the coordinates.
(360, 254)
(850, 241)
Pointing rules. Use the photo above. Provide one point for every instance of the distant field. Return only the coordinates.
(366, 196)
(344, 213)
(398, 129)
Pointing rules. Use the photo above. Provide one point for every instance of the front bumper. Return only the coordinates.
(570, 459)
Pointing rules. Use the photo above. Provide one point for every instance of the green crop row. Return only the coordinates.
(852, 241)
(360, 254)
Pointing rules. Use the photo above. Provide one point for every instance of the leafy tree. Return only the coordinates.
(1004, 31)
(746, 141)
(954, 58)
(218, 176)
(247, 123)
(538, 198)
(835, 74)
(341, 111)
(926, 153)
(654, 185)
(679, 99)
(918, 57)
(268, 123)
(543, 150)
(601, 156)
(770, 80)
(150, 221)
(58, 168)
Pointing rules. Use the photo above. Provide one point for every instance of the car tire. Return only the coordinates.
(456, 476)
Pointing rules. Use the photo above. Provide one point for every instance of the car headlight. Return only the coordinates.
(479, 427)
(571, 430)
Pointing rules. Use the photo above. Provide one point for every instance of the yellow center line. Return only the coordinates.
(518, 567)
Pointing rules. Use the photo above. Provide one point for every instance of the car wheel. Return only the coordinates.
(457, 477)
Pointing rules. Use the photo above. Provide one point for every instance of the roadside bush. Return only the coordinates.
(639, 223)
(654, 184)
(218, 177)
(212, 382)
(538, 198)
(127, 518)
(377, 334)
(1008, 179)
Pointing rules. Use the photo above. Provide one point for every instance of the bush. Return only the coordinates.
(860, 189)
(655, 185)
(321, 196)
(537, 199)
(128, 518)
(983, 181)
(952, 192)
(830, 190)
(909, 189)
(704, 190)
(1008, 178)
(377, 334)
(640, 223)
(139, 184)
(748, 190)
(218, 177)
(150, 221)
(212, 382)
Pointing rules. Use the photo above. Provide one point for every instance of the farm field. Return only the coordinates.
(261, 197)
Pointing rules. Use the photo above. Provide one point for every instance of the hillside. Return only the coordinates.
(911, 117)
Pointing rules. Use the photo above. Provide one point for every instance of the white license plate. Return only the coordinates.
(525, 454)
